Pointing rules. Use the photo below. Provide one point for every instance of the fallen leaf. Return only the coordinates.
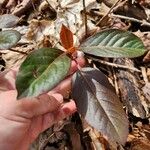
(140, 144)
(146, 90)
(8, 20)
(9, 38)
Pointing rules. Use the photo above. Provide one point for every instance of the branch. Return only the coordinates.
(143, 22)
(116, 65)
(110, 11)
(13, 50)
(85, 18)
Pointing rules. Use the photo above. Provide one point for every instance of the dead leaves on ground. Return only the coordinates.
(42, 29)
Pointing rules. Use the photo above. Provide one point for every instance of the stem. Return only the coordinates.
(116, 65)
(143, 22)
(110, 11)
(13, 50)
(78, 66)
(85, 19)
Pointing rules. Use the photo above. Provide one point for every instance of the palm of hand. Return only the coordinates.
(25, 119)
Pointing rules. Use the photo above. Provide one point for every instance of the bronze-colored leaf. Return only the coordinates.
(99, 105)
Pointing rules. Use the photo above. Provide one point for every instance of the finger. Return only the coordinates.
(50, 118)
(31, 107)
(74, 65)
(65, 111)
(65, 86)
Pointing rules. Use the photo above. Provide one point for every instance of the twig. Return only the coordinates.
(116, 65)
(1, 68)
(110, 11)
(48, 3)
(34, 6)
(85, 18)
(24, 53)
(46, 141)
(20, 8)
(143, 70)
(115, 81)
(143, 22)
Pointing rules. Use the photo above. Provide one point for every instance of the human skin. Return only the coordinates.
(22, 121)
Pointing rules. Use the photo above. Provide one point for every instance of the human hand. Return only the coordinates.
(22, 121)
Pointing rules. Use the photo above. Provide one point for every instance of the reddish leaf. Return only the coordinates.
(97, 102)
(66, 38)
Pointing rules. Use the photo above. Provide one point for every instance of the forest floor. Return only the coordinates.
(40, 23)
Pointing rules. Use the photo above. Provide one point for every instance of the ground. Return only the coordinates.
(39, 23)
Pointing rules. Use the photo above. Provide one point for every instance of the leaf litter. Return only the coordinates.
(71, 14)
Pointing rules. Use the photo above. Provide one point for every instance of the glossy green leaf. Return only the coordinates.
(97, 102)
(8, 20)
(113, 43)
(42, 70)
(9, 38)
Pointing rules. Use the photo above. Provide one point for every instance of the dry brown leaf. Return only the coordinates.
(98, 141)
(39, 29)
(22, 7)
(74, 136)
(109, 3)
(147, 57)
(140, 144)
(146, 90)
(68, 3)
(15, 58)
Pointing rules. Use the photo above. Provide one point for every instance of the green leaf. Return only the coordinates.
(9, 38)
(8, 20)
(97, 102)
(113, 43)
(42, 70)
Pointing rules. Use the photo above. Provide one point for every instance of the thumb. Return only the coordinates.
(31, 107)
(64, 111)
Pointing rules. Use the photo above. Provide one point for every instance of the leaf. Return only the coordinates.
(113, 43)
(99, 105)
(42, 70)
(9, 38)
(66, 38)
(8, 20)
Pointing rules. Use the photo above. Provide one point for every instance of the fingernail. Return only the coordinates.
(68, 111)
(57, 97)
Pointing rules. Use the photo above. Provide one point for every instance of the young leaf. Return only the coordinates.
(8, 20)
(42, 70)
(66, 38)
(99, 105)
(9, 38)
(113, 43)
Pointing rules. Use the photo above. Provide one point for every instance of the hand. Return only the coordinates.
(22, 121)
